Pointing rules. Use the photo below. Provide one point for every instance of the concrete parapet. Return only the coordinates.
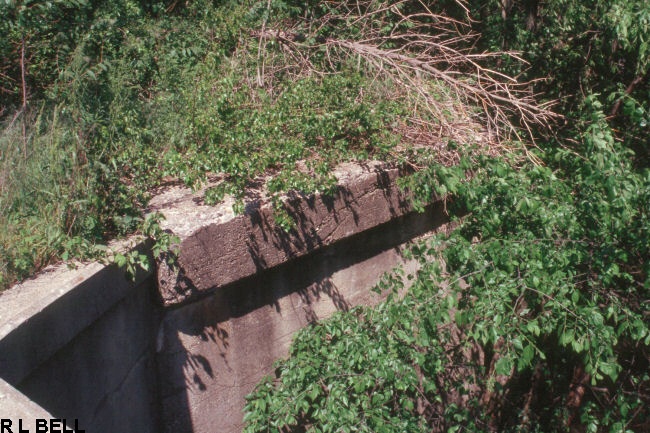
(18, 408)
(218, 248)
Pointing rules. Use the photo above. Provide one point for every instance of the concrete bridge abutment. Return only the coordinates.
(177, 349)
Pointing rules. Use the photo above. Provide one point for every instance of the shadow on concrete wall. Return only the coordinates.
(105, 377)
(317, 216)
(212, 352)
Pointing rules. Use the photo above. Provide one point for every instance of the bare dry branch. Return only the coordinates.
(429, 58)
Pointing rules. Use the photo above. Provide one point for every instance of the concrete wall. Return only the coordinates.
(81, 343)
(106, 376)
(218, 248)
(213, 352)
(178, 349)
(17, 409)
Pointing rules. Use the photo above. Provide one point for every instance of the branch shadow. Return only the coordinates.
(183, 372)
(317, 217)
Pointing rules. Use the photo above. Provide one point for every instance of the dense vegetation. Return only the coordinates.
(538, 320)
(104, 100)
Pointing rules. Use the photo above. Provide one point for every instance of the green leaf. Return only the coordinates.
(503, 366)
(120, 260)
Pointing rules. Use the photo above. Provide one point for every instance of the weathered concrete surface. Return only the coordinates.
(17, 407)
(81, 343)
(213, 352)
(43, 314)
(218, 248)
(106, 377)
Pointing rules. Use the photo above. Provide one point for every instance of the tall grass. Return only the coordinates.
(41, 193)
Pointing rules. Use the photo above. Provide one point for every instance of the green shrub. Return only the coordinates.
(538, 319)
(556, 278)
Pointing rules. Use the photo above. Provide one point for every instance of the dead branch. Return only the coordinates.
(429, 58)
(630, 88)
